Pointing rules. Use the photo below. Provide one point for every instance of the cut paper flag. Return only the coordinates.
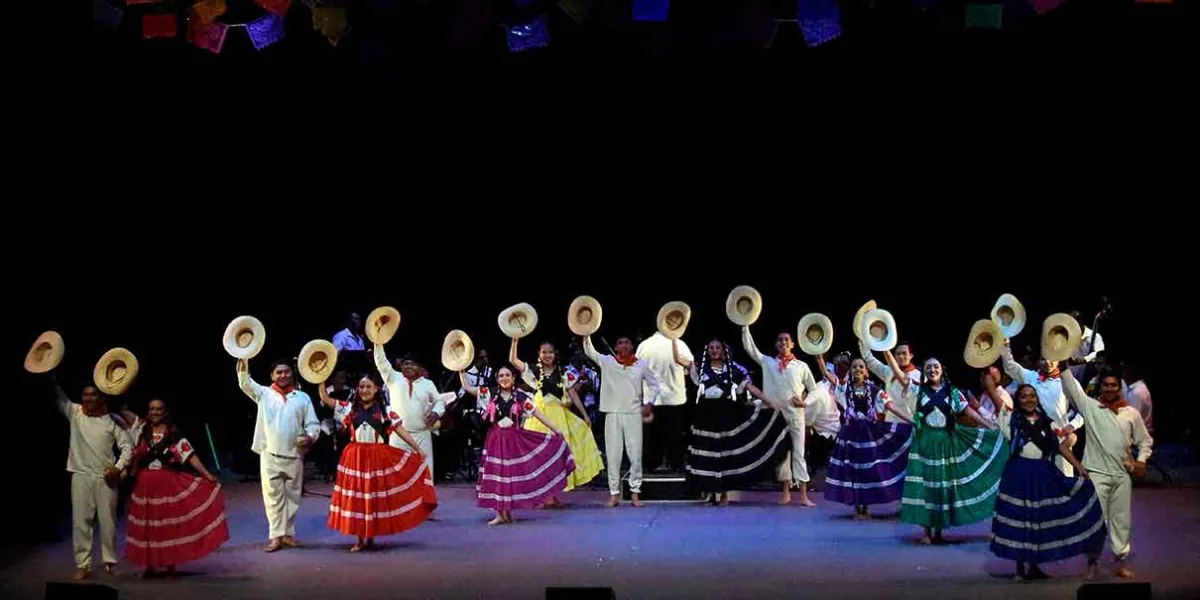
(331, 22)
(651, 10)
(209, 36)
(278, 7)
(107, 14)
(984, 16)
(576, 9)
(265, 31)
(820, 21)
(160, 25)
(207, 11)
(528, 35)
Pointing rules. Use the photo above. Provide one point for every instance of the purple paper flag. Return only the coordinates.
(105, 13)
(266, 31)
(820, 21)
(530, 34)
(651, 10)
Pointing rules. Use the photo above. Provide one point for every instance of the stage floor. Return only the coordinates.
(751, 549)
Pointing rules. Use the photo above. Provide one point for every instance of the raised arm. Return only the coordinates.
(748, 345)
(248, 385)
(513, 360)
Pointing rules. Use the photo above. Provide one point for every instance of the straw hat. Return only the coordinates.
(1061, 337)
(1009, 314)
(115, 371)
(743, 306)
(983, 344)
(245, 337)
(879, 330)
(457, 351)
(673, 319)
(814, 334)
(317, 359)
(45, 353)
(518, 321)
(584, 315)
(858, 317)
(382, 324)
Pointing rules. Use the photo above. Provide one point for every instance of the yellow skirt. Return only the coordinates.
(588, 462)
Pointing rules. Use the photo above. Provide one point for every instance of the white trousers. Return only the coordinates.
(91, 501)
(793, 468)
(282, 479)
(623, 433)
(1116, 501)
(425, 441)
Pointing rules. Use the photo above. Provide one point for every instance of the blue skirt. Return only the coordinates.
(1043, 515)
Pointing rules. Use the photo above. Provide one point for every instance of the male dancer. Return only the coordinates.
(623, 405)
(786, 383)
(285, 429)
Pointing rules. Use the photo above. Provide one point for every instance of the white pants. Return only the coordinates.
(623, 432)
(793, 468)
(282, 479)
(91, 501)
(1116, 501)
(424, 440)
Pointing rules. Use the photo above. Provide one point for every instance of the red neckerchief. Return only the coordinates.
(626, 362)
(283, 392)
(1115, 405)
(784, 360)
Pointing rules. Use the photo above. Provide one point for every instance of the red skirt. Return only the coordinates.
(380, 490)
(174, 518)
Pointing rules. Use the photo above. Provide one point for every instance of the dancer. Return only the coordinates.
(786, 383)
(95, 473)
(175, 516)
(1041, 514)
(380, 490)
(520, 468)
(554, 394)
(732, 441)
(285, 429)
(1113, 428)
(895, 380)
(416, 399)
(870, 456)
(953, 470)
(1046, 381)
(621, 388)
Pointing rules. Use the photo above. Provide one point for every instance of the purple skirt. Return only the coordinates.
(868, 463)
(522, 468)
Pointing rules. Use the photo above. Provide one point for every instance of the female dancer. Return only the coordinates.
(1041, 514)
(731, 440)
(520, 468)
(174, 515)
(871, 456)
(380, 489)
(554, 394)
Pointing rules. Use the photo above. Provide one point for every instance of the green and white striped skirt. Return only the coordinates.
(953, 476)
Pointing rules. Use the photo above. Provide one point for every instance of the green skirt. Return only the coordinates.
(953, 476)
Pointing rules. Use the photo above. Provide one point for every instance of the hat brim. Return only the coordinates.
(317, 361)
(457, 351)
(518, 321)
(381, 324)
(237, 329)
(734, 310)
(1017, 324)
(883, 317)
(1061, 336)
(678, 313)
(584, 316)
(806, 344)
(115, 371)
(984, 344)
(45, 353)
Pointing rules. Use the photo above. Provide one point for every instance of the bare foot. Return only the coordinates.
(499, 520)
(785, 499)
(111, 569)
(80, 575)
(1090, 573)
(635, 500)
(273, 546)
(614, 500)
(1123, 572)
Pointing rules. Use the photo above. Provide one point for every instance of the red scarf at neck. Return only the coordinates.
(628, 361)
(784, 360)
(1115, 405)
(283, 391)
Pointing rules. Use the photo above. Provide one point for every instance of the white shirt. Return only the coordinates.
(821, 413)
(1049, 391)
(1109, 436)
(781, 385)
(1138, 396)
(895, 389)
(621, 387)
(280, 420)
(413, 407)
(348, 340)
(92, 440)
(656, 351)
